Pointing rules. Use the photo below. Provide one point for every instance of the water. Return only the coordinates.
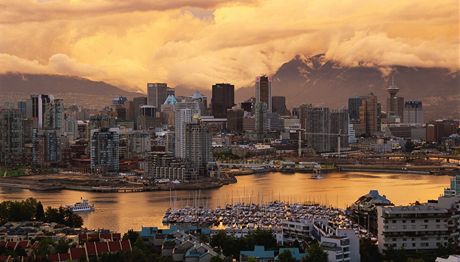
(124, 211)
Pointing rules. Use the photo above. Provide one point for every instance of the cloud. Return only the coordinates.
(196, 43)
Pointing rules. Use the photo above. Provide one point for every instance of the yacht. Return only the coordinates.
(82, 206)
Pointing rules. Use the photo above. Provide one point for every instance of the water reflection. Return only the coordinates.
(121, 212)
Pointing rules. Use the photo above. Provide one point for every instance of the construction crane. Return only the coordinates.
(339, 135)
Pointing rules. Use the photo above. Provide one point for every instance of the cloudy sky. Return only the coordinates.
(200, 42)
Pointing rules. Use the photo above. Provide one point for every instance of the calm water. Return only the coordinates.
(123, 211)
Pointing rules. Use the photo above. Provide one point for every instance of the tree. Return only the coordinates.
(315, 254)
(131, 235)
(395, 255)
(286, 256)
(369, 251)
(409, 146)
(39, 212)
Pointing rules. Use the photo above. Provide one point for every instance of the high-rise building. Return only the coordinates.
(339, 125)
(168, 111)
(105, 150)
(368, 116)
(40, 104)
(202, 101)
(223, 98)
(46, 150)
(11, 136)
(261, 121)
(186, 112)
(413, 112)
(22, 107)
(156, 94)
(235, 120)
(147, 117)
(395, 104)
(279, 105)
(316, 123)
(248, 105)
(264, 91)
(198, 146)
(54, 116)
(353, 108)
(136, 107)
(439, 130)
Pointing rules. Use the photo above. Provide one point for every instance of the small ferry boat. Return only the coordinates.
(82, 206)
(317, 173)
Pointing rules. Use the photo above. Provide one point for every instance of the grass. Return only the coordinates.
(12, 172)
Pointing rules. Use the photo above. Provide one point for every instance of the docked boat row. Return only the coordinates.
(252, 216)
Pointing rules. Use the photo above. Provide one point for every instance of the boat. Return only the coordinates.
(317, 174)
(82, 206)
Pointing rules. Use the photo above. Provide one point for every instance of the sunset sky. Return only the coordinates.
(199, 42)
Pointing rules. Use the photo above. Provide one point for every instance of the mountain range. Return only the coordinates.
(303, 80)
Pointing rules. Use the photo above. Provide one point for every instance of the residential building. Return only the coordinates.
(40, 105)
(279, 105)
(46, 147)
(235, 120)
(186, 112)
(368, 114)
(339, 129)
(11, 136)
(147, 117)
(317, 125)
(163, 165)
(353, 108)
(198, 147)
(104, 150)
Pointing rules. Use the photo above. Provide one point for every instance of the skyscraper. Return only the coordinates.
(235, 120)
(40, 104)
(413, 112)
(261, 121)
(264, 91)
(223, 98)
(186, 112)
(353, 108)
(105, 150)
(368, 116)
(156, 94)
(339, 125)
(136, 107)
(54, 116)
(46, 150)
(146, 118)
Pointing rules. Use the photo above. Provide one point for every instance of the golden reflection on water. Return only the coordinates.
(124, 211)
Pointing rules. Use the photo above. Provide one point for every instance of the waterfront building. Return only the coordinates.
(104, 150)
(11, 136)
(279, 105)
(185, 112)
(264, 91)
(339, 244)
(156, 94)
(223, 98)
(198, 146)
(420, 227)
(413, 112)
(368, 116)
(235, 120)
(46, 150)
(395, 104)
(147, 117)
(163, 165)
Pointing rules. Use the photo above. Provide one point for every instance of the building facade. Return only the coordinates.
(104, 150)
(264, 91)
(223, 98)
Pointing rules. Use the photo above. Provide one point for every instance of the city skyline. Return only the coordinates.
(212, 40)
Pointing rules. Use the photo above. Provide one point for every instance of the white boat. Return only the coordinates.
(316, 174)
(82, 206)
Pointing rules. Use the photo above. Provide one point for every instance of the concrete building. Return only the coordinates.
(104, 150)
(317, 125)
(353, 108)
(339, 126)
(156, 94)
(437, 131)
(413, 112)
(40, 105)
(264, 91)
(163, 165)
(139, 144)
(185, 113)
(262, 125)
(136, 108)
(223, 98)
(147, 118)
(54, 116)
(11, 136)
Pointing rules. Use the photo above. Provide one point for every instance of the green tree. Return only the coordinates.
(315, 254)
(395, 255)
(39, 212)
(369, 251)
(286, 256)
(131, 235)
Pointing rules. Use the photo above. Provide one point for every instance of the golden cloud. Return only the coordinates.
(197, 43)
